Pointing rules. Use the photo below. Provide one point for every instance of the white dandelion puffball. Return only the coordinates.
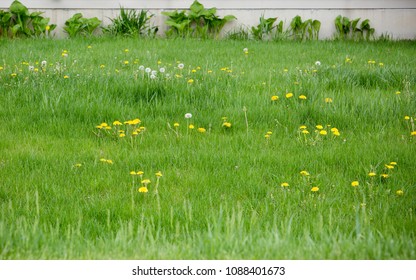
(43, 63)
(141, 68)
(318, 63)
(188, 115)
(148, 70)
(154, 72)
(162, 70)
(180, 66)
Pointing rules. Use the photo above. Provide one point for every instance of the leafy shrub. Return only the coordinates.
(197, 22)
(348, 29)
(18, 22)
(303, 30)
(266, 28)
(77, 25)
(132, 23)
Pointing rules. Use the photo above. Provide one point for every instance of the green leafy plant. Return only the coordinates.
(303, 30)
(264, 29)
(197, 22)
(19, 22)
(267, 29)
(178, 22)
(132, 23)
(348, 29)
(78, 25)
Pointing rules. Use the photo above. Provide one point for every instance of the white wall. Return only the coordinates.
(396, 18)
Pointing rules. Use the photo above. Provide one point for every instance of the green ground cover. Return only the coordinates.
(295, 150)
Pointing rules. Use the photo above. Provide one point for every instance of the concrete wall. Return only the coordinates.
(396, 18)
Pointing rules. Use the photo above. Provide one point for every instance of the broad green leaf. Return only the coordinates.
(18, 8)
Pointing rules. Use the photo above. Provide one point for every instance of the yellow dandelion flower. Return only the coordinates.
(302, 97)
(399, 192)
(117, 123)
(133, 173)
(226, 124)
(102, 66)
(289, 95)
(140, 173)
(304, 173)
(319, 127)
(267, 136)
(389, 166)
(284, 184)
(103, 160)
(143, 189)
(193, 70)
(406, 118)
(145, 181)
(66, 77)
(77, 165)
(314, 189)
(109, 161)
(190, 81)
(274, 97)
(381, 64)
(191, 126)
(384, 176)
(285, 70)
(269, 132)
(121, 135)
(336, 133)
(372, 174)
(209, 71)
(355, 183)
(393, 163)
(398, 92)
(323, 132)
(305, 131)
(158, 174)
(47, 27)
(126, 50)
(302, 127)
(201, 130)
(328, 100)
(413, 133)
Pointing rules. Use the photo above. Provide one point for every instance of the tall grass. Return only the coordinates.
(220, 196)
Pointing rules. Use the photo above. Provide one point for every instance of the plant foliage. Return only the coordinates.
(19, 22)
(197, 22)
(266, 29)
(351, 30)
(132, 23)
(78, 25)
(304, 30)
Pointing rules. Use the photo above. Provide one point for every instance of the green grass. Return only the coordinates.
(220, 196)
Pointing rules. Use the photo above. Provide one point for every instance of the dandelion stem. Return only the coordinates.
(245, 117)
